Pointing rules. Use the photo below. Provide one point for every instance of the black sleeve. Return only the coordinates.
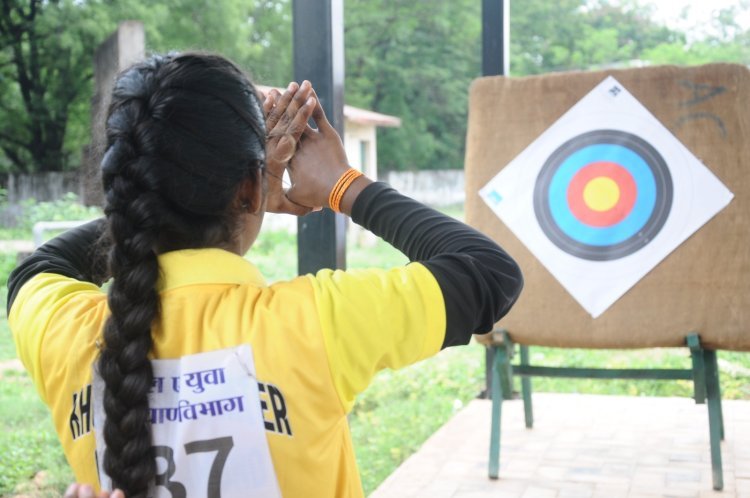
(75, 254)
(479, 281)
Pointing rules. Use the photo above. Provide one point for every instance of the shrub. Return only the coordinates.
(67, 208)
(18, 220)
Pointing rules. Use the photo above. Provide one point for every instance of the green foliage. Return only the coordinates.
(401, 409)
(275, 255)
(7, 347)
(28, 443)
(411, 59)
(380, 255)
(46, 49)
(702, 52)
(579, 35)
(270, 57)
(65, 209)
(7, 263)
(414, 60)
(254, 33)
(45, 76)
(734, 367)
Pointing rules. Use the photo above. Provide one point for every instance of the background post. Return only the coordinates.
(495, 61)
(319, 57)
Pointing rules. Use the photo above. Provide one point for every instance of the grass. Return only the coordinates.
(28, 444)
(7, 348)
(401, 409)
(275, 255)
(389, 421)
(734, 366)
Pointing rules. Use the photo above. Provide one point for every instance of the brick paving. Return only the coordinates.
(581, 446)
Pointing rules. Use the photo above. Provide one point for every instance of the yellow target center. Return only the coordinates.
(601, 194)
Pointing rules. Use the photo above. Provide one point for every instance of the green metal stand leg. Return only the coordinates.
(715, 423)
(718, 389)
(489, 360)
(528, 410)
(497, 403)
(504, 356)
(699, 368)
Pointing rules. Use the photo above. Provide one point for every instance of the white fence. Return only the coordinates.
(432, 187)
(42, 186)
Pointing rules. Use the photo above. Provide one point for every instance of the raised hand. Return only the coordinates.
(319, 162)
(286, 120)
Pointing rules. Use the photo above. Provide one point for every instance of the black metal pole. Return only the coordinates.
(495, 61)
(319, 57)
(495, 37)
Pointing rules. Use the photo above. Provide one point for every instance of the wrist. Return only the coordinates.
(351, 194)
(342, 184)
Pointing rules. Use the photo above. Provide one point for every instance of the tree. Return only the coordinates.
(414, 60)
(47, 48)
(411, 59)
(44, 69)
(726, 41)
(579, 34)
(256, 34)
(270, 42)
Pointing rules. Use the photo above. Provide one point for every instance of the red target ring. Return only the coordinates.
(609, 214)
(602, 194)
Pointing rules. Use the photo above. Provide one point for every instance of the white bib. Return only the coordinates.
(207, 428)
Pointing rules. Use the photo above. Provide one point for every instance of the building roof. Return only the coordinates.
(356, 114)
(363, 116)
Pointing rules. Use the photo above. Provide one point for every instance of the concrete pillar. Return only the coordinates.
(123, 48)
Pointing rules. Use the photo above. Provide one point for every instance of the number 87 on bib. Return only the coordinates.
(207, 428)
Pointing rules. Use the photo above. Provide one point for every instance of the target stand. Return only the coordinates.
(624, 197)
(704, 374)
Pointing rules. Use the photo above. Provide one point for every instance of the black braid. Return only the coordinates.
(183, 132)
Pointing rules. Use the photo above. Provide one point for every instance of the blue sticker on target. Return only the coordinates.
(495, 197)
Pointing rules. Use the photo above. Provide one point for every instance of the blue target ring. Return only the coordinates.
(602, 243)
(638, 217)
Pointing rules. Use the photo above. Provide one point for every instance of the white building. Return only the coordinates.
(360, 137)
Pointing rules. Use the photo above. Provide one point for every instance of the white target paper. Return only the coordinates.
(604, 195)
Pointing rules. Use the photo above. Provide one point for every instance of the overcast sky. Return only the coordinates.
(699, 13)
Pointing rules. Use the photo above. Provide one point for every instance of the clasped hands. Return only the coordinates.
(314, 158)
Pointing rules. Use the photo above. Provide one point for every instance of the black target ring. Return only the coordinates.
(650, 213)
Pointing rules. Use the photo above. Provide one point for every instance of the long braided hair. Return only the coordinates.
(183, 131)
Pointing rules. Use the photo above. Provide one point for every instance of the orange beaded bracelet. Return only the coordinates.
(341, 186)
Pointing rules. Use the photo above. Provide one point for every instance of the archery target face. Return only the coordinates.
(604, 195)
